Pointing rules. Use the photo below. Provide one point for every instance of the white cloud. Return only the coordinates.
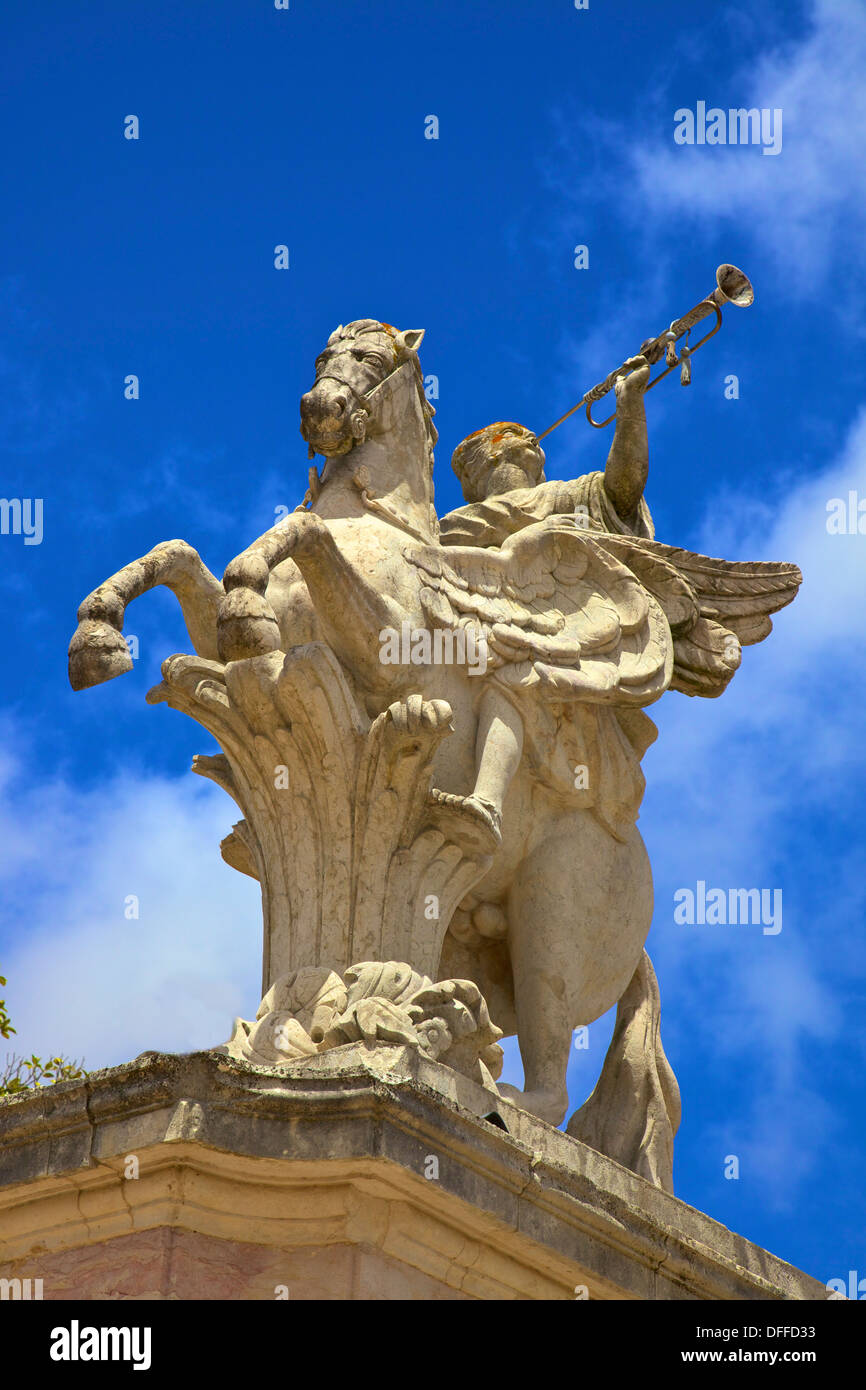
(815, 653)
(736, 788)
(804, 201)
(85, 980)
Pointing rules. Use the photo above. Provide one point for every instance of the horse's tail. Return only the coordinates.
(634, 1110)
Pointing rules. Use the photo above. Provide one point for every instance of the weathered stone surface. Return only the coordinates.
(313, 1178)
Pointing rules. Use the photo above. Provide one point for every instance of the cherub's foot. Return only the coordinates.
(473, 823)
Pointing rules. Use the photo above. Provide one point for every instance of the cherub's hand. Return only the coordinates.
(634, 377)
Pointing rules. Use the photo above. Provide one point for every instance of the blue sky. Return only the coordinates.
(155, 257)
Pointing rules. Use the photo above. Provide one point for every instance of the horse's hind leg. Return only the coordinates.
(543, 1002)
(98, 652)
(579, 911)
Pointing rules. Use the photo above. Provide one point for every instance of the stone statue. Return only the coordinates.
(434, 736)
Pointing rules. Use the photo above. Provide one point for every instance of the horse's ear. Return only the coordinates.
(412, 338)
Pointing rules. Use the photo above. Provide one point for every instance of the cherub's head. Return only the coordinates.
(499, 458)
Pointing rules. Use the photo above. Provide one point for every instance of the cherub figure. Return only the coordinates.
(586, 618)
(501, 472)
(504, 461)
(498, 459)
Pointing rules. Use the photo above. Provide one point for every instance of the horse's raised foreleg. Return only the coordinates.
(349, 609)
(98, 652)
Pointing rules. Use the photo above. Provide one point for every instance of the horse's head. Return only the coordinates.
(357, 358)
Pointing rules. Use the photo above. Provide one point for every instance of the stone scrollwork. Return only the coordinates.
(337, 823)
(313, 1010)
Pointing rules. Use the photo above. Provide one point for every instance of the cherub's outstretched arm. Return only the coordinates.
(627, 465)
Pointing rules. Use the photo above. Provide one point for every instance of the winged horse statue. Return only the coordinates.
(521, 783)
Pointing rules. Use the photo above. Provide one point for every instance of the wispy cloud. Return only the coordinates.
(84, 977)
(815, 190)
(803, 207)
(736, 788)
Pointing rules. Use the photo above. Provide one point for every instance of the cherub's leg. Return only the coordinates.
(498, 749)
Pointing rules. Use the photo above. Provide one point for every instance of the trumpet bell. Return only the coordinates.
(733, 287)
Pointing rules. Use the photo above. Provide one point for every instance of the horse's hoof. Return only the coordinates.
(246, 626)
(548, 1105)
(97, 653)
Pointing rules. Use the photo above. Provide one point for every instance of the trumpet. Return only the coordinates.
(732, 287)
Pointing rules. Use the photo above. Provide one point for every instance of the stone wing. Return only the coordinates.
(729, 605)
(561, 613)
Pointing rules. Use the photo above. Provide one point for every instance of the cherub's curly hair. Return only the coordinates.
(476, 457)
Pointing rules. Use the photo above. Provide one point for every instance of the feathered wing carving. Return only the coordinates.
(561, 613)
(732, 603)
(584, 628)
(560, 608)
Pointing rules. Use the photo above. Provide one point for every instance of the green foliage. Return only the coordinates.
(30, 1073)
(6, 1029)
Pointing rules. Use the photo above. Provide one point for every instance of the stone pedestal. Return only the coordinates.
(361, 1174)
